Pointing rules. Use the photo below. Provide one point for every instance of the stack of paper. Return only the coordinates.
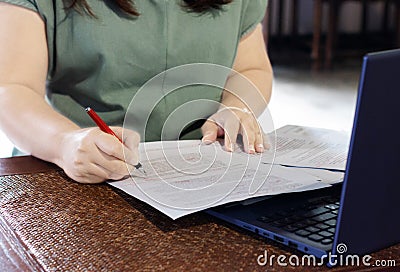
(187, 176)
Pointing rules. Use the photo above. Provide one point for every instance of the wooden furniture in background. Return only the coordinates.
(280, 8)
(275, 12)
(334, 7)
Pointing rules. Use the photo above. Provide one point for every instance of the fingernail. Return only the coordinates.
(251, 149)
(260, 147)
(206, 141)
(228, 148)
(205, 138)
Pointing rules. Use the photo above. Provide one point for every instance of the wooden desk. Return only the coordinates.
(50, 223)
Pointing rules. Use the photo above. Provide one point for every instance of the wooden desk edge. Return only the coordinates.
(24, 165)
(12, 257)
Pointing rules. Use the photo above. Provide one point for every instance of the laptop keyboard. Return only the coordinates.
(314, 220)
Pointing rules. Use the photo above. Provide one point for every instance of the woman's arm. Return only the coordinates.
(251, 63)
(86, 155)
(247, 90)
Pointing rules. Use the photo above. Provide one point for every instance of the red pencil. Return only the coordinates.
(100, 123)
(103, 126)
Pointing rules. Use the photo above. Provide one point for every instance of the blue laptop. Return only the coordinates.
(361, 215)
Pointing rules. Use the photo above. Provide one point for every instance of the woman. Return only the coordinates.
(58, 56)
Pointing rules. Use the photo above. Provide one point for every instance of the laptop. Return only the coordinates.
(361, 215)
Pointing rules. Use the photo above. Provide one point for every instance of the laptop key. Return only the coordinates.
(332, 206)
(312, 229)
(282, 222)
(265, 219)
(325, 233)
(332, 200)
(312, 207)
(302, 233)
(331, 230)
(321, 226)
(325, 216)
(300, 225)
(309, 222)
(290, 228)
(326, 241)
(316, 211)
(315, 237)
(331, 222)
(278, 223)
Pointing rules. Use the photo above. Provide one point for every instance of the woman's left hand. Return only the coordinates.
(247, 87)
(229, 122)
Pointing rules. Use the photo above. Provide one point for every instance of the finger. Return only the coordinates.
(114, 175)
(110, 145)
(131, 140)
(115, 168)
(131, 156)
(266, 141)
(114, 164)
(259, 140)
(249, 137)
(209, 131)
(231, 129)
(112, 155)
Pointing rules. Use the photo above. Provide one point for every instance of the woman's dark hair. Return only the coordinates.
(128, 6)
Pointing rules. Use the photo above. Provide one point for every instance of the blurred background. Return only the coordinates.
(316, 49)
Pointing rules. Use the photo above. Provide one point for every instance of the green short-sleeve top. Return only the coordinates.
(102, 62)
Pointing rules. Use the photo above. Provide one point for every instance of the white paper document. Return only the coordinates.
(184, 177)
(308, 147)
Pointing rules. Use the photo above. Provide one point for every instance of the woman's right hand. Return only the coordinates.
(92, 156)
